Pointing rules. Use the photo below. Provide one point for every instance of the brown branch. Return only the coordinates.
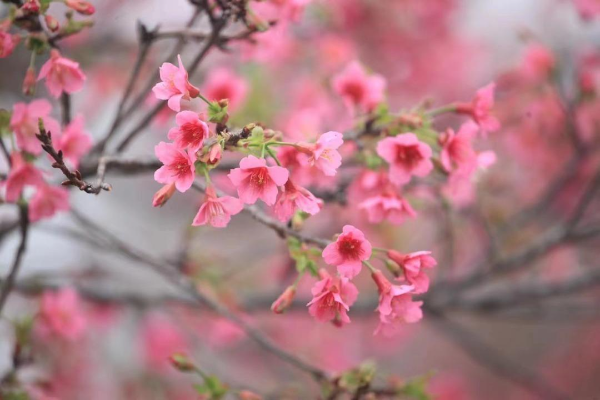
(74, 178)
(14, 269)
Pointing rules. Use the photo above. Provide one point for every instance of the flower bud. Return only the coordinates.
(31, 7)
(51, 23)
(411, 120)
(163, 195)
(29, 82)
(181, 362)
(248, 395)
(82, 7)
(284, 301)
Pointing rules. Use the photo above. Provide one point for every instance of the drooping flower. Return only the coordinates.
(387, 206)
(332, 299)
(7, 43)
(61, 314)
(190, 132)
(217, 211)
(163, 195)
(178, 166)
(254, 180)
(395, 305)
(47, 201)
(358, 89)
(324, 154)
(294, 197)
(25, 124)
(348, 252)
(223, 83)
(175, 85)
(284, 301)
(74, 142)
(21, 174)
(61, 74)
(480, 109)
(407, 156)
(413, 266)
(457, 148)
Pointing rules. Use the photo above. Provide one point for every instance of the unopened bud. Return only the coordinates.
(51, 23)
(29, 82)
(181, 362)
(284, 301)
(31, 7)
(163, 195)
(82, 7)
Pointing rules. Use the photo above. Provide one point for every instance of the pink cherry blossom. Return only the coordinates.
(324, 154)
(254, 180)
(480, 109)
(160, 339)
(175, 85)
(217, 211)
(25, 124)
(178, 166)
(358, 89)
(413, 265)
(61, 314)
(457, 148)
(62, 74)
(387, 292)
(7, 43)
(223, 83)
(163, 195)
(332, 299)
(407, 156)
(21, 174)
(47, 201)
(294, 197)
(588, 9)
(348, 252)
(387, 206)
(190, 132)
(74, 142)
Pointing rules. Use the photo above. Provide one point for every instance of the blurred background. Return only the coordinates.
(429, 51)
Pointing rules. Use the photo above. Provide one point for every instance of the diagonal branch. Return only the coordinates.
(14, 269)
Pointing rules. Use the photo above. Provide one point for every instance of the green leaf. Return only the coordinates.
(15, 396)
(217, 389)
(216, 113)
(4, 122)
(416, 388)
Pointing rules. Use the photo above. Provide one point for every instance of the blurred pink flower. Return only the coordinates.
(81, 6)
(175, 85)
(7, 43)
(160, 340)
(255, 180)
(457, 148)
(61, 314)
(387, 206)
(74, 141)
(47, 201)
(217, 211)
(407, 156)
(178, 166)
(413, 266)
(294, 197)
(480, 109)
(588, 9)
(332, 299)
(324, 154)
(348, 252)
(358, 89)
(62, 74)
(21, 174)
(223, 83)
(25, 123)
(190, 132)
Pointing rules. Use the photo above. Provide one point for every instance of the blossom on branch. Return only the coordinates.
(175, 85)
(61, 74)
(254, 180)
(348, 252)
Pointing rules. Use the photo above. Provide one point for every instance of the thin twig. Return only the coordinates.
(14, 269)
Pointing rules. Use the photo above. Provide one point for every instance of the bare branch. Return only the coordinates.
(14, 269)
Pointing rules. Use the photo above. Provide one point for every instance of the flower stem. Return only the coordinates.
(272, 154)
(442, 110)
(204, 99)
(371, 267)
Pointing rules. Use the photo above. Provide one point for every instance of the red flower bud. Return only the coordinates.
(163, 195)
(31, 7)
(181, 362)
(29, 82)
(82, 7)
(284, 301)
(51, 23)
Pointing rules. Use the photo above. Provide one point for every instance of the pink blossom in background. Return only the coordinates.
(457, 148)
(47, 201)
(480, 109)
(178, 166)
(394, 303)
(413, 267)
(348, 252)
(61, 314)
(293, 198)
(217, 211)
(8, 43)
(407, 156)
(223, 83)
(190, 132)
(61, 74)
(25, 123)
(388, 206)
(332, 299)
(175, 85)
(74, 141)
(588, 9)
(357, 89)
(324, 154)
(160, 339)
(538, 63)
(254, 180)
(21, 174)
